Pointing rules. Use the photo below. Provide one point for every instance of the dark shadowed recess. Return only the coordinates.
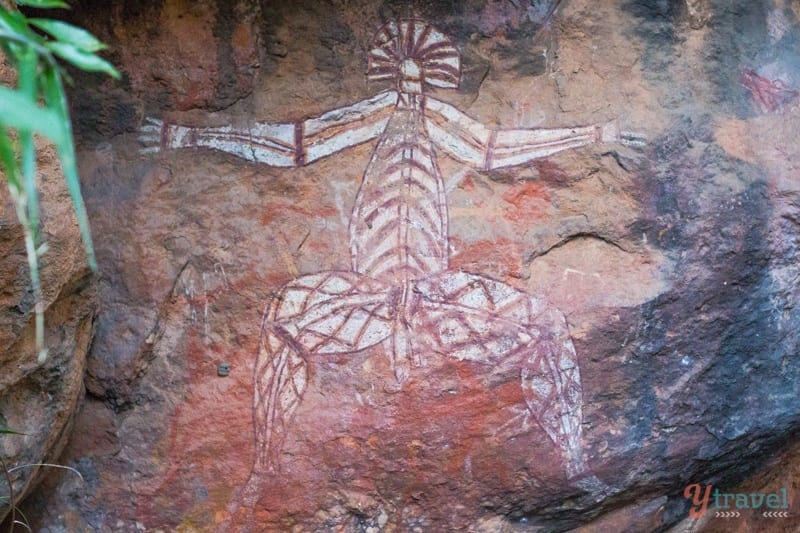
(709, 365)
(709, 385)
(737, 40)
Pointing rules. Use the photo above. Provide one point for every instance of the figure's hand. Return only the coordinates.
(631, 138)
(157, 135)
(610, 132)
(151, 136)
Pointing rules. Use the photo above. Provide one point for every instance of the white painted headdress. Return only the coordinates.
(414, 53)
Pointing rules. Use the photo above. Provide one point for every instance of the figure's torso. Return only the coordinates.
(398, 229)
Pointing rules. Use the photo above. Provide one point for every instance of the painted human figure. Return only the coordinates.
(398, 291)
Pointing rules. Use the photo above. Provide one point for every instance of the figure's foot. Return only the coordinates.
(597, 489)
(632, 138)
(248, 495)
(240, 512)
(580, 476)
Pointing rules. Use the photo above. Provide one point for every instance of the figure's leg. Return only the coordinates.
(325, 313)
(551, 385)
(279, 382)
(400, 350)
(476, 318)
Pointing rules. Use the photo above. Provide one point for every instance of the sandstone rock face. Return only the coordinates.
(673, 263)
(40, 400)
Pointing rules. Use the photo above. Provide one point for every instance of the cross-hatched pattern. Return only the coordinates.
(330, 312)
(476, 318)
(551, 385)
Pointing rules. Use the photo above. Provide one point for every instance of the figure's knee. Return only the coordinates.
(272, 339)
(271, 310)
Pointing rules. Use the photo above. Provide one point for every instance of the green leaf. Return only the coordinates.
(28, 63)
(6, 431)
(17, 112)
(43, 4)
(39, 75)
(16, 26)
(82, 60)
(9, 160)
(67, 33)
(55, 98)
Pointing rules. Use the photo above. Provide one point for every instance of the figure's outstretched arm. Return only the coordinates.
(291, 144)
(473, 143)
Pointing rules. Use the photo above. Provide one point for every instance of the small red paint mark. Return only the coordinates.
(467, 184)
(770, 95)
(501, 257)
(527, 200)
(550, 172)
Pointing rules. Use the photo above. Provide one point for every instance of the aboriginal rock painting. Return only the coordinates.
(398, 291)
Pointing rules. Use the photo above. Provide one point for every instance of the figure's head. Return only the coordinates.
(414, 53)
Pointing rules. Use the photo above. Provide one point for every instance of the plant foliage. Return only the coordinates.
(38, 105)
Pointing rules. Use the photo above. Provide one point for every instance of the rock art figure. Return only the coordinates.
(399, 291)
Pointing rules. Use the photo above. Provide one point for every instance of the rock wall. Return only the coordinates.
(40, 400)
(673, 262)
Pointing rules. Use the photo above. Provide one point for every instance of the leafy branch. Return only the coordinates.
(38, 105)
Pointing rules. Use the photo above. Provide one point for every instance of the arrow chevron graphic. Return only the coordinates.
(727, 514)
(775, 514)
